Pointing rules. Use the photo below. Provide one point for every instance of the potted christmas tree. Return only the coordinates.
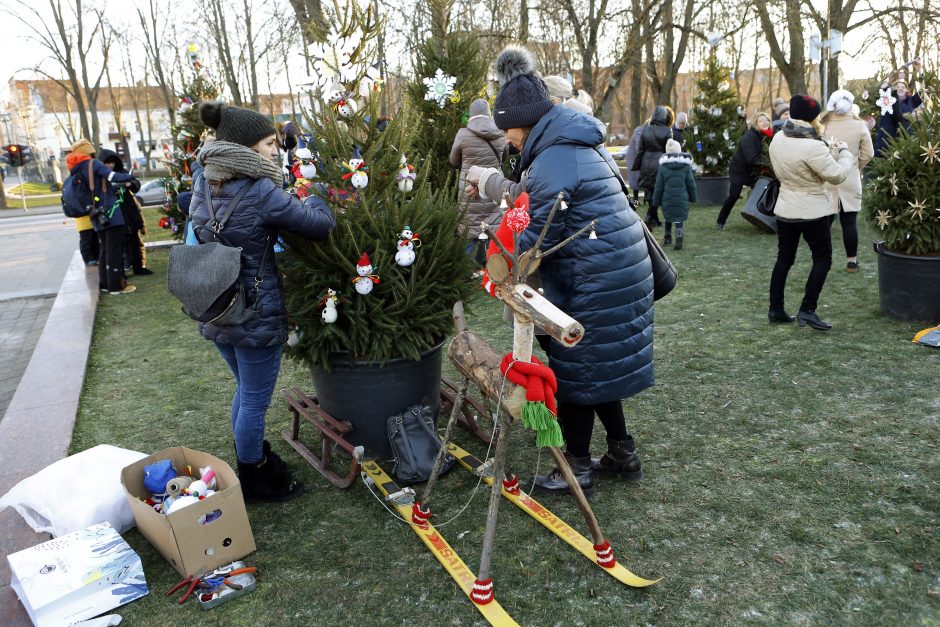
(449, 75)
(188, 133)
(372, 305)
(900, 203)
(716, 128)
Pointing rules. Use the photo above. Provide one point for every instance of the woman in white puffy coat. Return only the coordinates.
(842, 124)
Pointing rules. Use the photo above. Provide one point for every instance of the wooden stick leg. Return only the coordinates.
(439, 461)
(499, 463)
(578, 494)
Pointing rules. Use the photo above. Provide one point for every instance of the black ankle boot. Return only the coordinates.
(778, 316)
(620, 460)
(268, 480)
(667, 239)
(652, 220)
(810, 318)
(554, 481)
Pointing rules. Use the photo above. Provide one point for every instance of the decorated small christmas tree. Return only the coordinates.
(449, 75)
(384, 283)
(187, 133)
(716, 126)
(900, 201)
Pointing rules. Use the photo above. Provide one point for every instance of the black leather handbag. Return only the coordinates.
(415, 445)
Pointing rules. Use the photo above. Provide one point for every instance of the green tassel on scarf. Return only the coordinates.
(537, 416)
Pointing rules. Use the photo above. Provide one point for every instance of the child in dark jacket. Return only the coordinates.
(675, 189)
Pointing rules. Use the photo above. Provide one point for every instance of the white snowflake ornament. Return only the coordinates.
(332, 59)
(886, 101)
(440, 87)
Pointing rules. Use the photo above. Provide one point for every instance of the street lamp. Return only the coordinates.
(821, 50)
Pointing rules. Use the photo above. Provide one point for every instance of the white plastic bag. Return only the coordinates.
(76, 492)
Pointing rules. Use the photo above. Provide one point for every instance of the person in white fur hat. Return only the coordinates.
(842, 123)
(674, 190)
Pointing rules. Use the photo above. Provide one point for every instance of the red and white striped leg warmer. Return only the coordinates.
(511, 484)
(420, 516)
(605, 554)
(482, 591)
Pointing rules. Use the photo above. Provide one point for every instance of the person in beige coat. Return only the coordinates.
(803, 163)
(480, 143)
(841, 124)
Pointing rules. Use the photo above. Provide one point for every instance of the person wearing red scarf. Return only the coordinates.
(745, 164)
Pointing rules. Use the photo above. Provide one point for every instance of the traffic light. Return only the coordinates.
(13, 155)
(17, 154)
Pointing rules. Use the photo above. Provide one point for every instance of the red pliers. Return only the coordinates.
(190, 583)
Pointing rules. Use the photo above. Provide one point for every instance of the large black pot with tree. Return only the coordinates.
(901, 202)
(716, 128)
(371, 307)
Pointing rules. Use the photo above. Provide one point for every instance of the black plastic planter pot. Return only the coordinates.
(712, 190)
(366, 394)
(909, 286)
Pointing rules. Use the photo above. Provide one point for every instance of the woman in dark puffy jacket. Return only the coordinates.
(605, 283)
(244, 156)
(653, 146)
(745, 164)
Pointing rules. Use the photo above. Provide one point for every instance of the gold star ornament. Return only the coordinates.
(893, 183)
(883, 218)
(931, 152)
(918, 207)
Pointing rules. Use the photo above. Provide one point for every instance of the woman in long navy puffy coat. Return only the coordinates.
(242, 160)
(606, 283)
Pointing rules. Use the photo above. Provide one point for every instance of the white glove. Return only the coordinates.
(473, 174)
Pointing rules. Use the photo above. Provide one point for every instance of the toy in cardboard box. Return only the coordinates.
(77, 576)
(202, 535)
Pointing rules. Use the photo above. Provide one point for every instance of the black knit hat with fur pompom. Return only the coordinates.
(523, 97)
(234, 124)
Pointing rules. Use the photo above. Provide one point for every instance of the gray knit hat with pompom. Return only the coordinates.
(523, 97)
(234, 124)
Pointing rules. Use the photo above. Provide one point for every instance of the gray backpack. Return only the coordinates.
(205, 277)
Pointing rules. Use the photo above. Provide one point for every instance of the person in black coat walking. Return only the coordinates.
(134, 249)
(653, 146)
(745, 164)
(242, 162)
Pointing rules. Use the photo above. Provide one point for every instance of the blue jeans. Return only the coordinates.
(255, 371)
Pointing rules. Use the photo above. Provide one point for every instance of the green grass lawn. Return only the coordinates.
(155, 233)
(30, 189)
(791, 475)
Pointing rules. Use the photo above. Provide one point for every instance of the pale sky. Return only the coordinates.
(16, 52)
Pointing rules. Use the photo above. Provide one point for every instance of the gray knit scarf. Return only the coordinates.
(224, 161)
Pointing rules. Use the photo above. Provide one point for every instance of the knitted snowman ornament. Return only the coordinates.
(366, 280)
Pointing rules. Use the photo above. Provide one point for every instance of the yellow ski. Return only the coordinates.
(445, 554)
(559, 527)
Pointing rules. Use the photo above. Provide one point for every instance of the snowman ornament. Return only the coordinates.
(406, 175)
(305, 166)
(366, 280)
(407, 242)
(357, 174)
(344, 104)
(329, 314)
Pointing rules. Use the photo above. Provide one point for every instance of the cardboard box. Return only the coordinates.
(77, 576)
(189, 546)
